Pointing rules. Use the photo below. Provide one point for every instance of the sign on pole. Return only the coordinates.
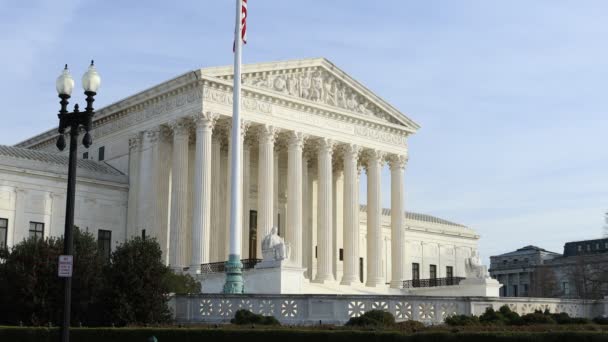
(65, 266)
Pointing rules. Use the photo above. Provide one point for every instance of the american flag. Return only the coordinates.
(243, 25)
(244, 22)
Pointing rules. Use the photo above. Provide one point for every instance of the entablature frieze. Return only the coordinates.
(212, 94)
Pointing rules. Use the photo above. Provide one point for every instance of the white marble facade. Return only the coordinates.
(310, 134)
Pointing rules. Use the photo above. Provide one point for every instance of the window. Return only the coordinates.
(85, 155)
(102, 153)
(415, 271)
(341, 254)
(449, 271)
(504, 291)
(588, 247)
(37, 229)
(315, 252)
(525, 290)
(515, 261)
(104, 243)
(3, 232)
(433, 271)
(580, 248)
(597, 246)
(143, 234)
(566, 288)
(504, 262)
(514, 290)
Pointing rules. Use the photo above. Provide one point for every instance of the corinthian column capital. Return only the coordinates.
(180, 127)
(205, 120)
(296, 139)
(135, 142)
(326, 145)
(267, 133)
(397, 161)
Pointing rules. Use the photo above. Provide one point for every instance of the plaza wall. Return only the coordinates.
(338, 309)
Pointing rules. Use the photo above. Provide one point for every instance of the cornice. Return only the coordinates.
(191, 86)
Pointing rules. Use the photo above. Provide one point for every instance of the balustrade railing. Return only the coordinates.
(217, 267)
(432, 282)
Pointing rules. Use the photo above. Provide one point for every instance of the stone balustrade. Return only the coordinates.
(337, 309)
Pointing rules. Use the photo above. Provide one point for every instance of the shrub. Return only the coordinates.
(410, 326)
(181, 283)
(31, 292)
(373, 318)
(462, 320)
(243, 317)
(603, 320)
(492, 317)
(538, 317)
(136, 290)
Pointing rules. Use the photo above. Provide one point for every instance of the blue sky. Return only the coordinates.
(511, 95)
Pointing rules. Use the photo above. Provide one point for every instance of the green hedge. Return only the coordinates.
(17, 334)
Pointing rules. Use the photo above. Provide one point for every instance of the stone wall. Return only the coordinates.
(337, 309)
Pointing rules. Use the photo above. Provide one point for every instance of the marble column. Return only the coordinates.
(293, 224)
(351, 216)
(134, 160)
(161, 173)
(266, 135)
(397, 166)
(325, 221)
(306, 224)
(179, 193)
(216, 186)
(201, 218)
(246, 195)
(374, 215)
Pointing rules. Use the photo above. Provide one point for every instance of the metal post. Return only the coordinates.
(69, 224)
(234, 267)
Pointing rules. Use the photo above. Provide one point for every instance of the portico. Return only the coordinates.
(310, 134)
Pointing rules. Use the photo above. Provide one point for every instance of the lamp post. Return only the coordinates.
(74, 121)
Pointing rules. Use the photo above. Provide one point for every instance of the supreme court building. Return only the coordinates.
(160, 164)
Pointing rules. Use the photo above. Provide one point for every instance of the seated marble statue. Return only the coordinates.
(474, 268)
(274, 247)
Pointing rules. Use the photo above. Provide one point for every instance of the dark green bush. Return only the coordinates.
(373, 318)
(538, 317)
(462, 320)
(243, 317)
(492, 317)
(181, 283)
(31, 292)
(136, 290)
(410, 326)
(601, 320)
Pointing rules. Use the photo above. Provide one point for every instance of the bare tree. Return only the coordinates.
(543, 283)
(589, 275)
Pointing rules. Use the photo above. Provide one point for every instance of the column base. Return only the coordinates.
(322, 279)
(375, 282)
(234, 275)
(396, 284)
(350, 280)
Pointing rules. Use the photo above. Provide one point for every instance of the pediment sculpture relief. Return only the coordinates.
(317, 86)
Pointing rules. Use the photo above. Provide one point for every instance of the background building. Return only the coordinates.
(580, 272)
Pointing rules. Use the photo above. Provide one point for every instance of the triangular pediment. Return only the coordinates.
(319, 81)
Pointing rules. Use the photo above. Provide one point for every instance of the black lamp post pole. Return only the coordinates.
(68, 240)
(74, 121)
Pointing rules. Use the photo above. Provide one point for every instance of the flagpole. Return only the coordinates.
(234, 267)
